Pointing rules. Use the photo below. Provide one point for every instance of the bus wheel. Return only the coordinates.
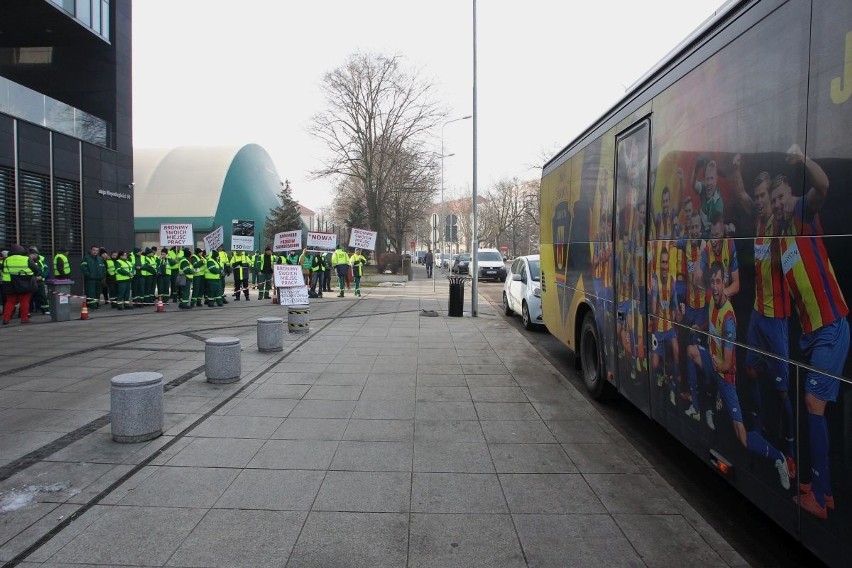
(591, 360)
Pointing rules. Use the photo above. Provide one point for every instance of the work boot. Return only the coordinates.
(341, 294)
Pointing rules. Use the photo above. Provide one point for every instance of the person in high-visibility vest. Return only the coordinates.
(61, 266)
(199, 264)
(124, 272)
(185, 269)
(19, 264)
(267, 269)
(149, 276)
(254, 263)
(174, 256)
(240, 265)
(340, 262)
(164, 276)
(225, 268)
(213, 291)
(317, 271)
(111, 264)
(357, 263)
(94, 270)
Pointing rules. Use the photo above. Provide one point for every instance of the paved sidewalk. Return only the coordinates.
(383, 437)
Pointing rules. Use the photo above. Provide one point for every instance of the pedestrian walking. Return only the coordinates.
(357, 263)
(340, 262)
(19, 283)
(429, 261)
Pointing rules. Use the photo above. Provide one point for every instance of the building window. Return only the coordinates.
(8, 226)
(67, 225)
(34, 206)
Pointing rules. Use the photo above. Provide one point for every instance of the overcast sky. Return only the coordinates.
(218, 72)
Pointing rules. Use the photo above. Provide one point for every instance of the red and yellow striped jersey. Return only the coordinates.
(666, 300)
(723, 331)
(771, 298)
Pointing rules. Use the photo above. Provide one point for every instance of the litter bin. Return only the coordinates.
(59, 298)
(456, 307)
(406, 266)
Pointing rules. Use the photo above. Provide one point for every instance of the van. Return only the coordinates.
(491, 265)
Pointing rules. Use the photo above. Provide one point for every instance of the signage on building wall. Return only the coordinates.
(363, 239)
(108, 193)
(322, 241)
(176, 234)
(242, 235)
(288, 240)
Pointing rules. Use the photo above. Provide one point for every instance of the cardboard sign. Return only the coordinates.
(288, 275)
(288, 240)
(242, 243)
(363, 239)
(293, 296)
(176, 234)
(214, 240)
(322, 241)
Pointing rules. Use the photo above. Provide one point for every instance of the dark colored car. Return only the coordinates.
(462, 264)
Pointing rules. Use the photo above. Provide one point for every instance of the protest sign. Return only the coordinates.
(214, 240)
(176, 234)
(363, 239)
(288, 275)
(293, 296)
(288, 240)
(321, 241)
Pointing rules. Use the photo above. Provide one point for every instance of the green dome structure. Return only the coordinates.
(205, 186)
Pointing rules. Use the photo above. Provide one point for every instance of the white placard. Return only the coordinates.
(363, 239)
(288, 240)
(176, 234)
(63, 299)
(293, 296)
(322, 241)
(214, 240)
(287, 275)
(242, 243)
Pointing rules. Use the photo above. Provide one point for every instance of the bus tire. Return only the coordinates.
(592, 366)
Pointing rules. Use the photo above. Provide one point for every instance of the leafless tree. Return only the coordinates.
(377, 112)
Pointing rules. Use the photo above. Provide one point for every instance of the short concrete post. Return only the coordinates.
(299, 318)
(222, 360)
(270, 334)
(136, 407)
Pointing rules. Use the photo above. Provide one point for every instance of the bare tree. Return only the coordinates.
(412, 188)
(375, 111)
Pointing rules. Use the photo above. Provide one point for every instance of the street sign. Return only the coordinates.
(433, 221)
(412, 244)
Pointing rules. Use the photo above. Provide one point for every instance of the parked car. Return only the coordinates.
(443, 260)
(461, 264)
(491, 265)
(522, 290)
(451, 258)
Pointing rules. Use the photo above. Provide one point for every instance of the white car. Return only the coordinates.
(522, 290)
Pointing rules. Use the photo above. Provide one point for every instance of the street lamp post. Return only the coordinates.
(443, 213)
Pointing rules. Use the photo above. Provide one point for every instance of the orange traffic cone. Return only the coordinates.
(84, 313)
(160, 306)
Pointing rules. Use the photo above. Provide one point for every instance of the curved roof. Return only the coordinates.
(205, 186)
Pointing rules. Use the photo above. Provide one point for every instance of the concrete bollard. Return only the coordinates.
(222, 360)
(270, 334)
(299, 318)
(136, 407)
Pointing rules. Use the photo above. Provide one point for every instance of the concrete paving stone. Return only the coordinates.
(395, 359)
(174, 424)
(24, 419)
(450, 410)
(178, 404)
(352, 540)
(373, 456)
(630, 493)
(303, 369)
(17, 521)
(270, 407)
(452, 457)
(311, 429)
(241, 539)
(482, 381)
(293, 378)
(647, 532)
(295, 454)
(343, 379)
(505, 411)
(424, 380)
(563, 410)
(384, 409)
(360, 350)
(403, 392)
(216, 452)
(333, 392)
(445, 369)
(549, 493)
(456, 493)
(361, 365)
(270, 389)
(601, 458)
(582, 541)
(463, 541)
(96, 448)
(54, 482)
(280, 490)
(548, 393)
(392, 379)
(99, 485)
(323, 409)
(46, 384)
(64, 401)
(379, 430)
(230, 426)
(14, 445)
(369, 492)
(33, 532)
(468, 431)
(530, 458)
(517, 432)
(168, 486)
(359, 360)
(578, 432)
(461, 393)
(497, 394)
(131, 535)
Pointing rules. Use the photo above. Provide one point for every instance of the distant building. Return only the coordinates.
(208, 187)
(66, 155)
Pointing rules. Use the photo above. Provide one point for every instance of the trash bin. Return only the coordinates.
(59, 298)
(456, 307)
